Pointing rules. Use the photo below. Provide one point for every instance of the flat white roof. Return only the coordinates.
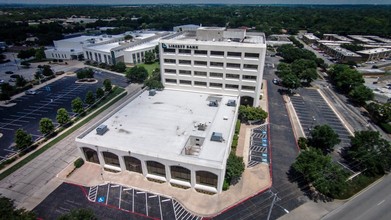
(104, 47)
(160, 126)
(98, 39)
(374, 51)
(144, 45)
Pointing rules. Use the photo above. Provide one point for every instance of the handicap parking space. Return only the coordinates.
(313, 110)
(138, 201)
(258, 146)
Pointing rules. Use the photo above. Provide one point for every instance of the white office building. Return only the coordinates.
(72, 48)
(179, 138)
(129, 51)
(215, 61)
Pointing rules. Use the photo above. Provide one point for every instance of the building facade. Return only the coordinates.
(215, 61)
(182, 140)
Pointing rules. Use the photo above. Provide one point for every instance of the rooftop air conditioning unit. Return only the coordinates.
(216, 136)
(213, 103)
(101, 129)
(231, 102)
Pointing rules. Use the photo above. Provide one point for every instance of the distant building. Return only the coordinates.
(375, 54)
(310, 38)
(278, 39)
(72, 48)
(129, 52)
(186, 27)
(336, 37)
(341, 54)
(216, 61)
(361, 39)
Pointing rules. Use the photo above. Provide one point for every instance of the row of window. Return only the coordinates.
(133, 164)
(139, 57)
(212, 53)
(211, 64)
(58, 55)
(211, 84)
(211, 74)
(98, 57)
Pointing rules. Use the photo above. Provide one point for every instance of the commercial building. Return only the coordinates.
(341, 54)
(310, 38)
(336, 37)
(375, 54)
(73, 48)
(216, 61)
(361, 39)
(129, 51)
(178, 137)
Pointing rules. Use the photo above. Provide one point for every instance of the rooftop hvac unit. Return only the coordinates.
(201, 126)
(101, 129)
(152, 92)
(216, 136)
(213, 103)
(231, 102)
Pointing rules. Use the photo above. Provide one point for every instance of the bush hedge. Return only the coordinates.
(78, 163)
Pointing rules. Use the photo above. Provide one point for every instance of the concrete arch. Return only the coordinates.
(156, 168)
(91, 155)
(206, 178)
(180, 173)
(111, 159)
(247, 100)
(133, 164)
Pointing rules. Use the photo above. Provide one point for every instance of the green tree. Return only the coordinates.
(46, 126)
(252, 113)
(99, 93)
(303, 143)
(9, 211)
(381, 113)
(22, 139)
(90, 98)
(149, 57)
(77, 105)
(20, 81)
(40, 54)
(24, 54)
(319, 170)
(290, 81)
(301, 65)
(62, 116)
(79, 214)
(46, 70)
(153, 84)
(234, 168)
(371, 152)
(345, 78)
(120, 67)
(128, 37)
(137, 74)
(308, 75)
(6, 91)
(360, 94)
(107, 85)
(324, 138)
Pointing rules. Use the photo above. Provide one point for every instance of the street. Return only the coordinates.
(373, 203)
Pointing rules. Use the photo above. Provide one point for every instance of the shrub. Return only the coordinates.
(237, 127)
(225, 185)
(386, 127)
(78, 163)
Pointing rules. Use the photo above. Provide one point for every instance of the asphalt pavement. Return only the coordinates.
(373, 203)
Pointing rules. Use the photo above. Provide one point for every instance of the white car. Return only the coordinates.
(30, 92)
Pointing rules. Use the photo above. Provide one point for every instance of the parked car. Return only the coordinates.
(30, 92)
(276, 81)
(1, 81)
(9, 72)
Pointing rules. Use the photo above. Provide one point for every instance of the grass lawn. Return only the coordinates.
(150, 67)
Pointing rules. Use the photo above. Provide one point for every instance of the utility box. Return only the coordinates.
(101, 129)
(152, 92)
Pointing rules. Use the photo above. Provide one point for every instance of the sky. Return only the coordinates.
(195, 2)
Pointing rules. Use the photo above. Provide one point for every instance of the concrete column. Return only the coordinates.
(168, 172)
(144, 168)
(192, 178)
(122, 163)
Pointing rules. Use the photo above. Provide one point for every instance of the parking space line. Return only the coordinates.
(107, 194)
(7, 129)
(152, 196)
(133, 201)
(166, 200)
(6, 119)
(127, 189)
(160, 207)
(146, 203)
(18, 116)
(119, 198)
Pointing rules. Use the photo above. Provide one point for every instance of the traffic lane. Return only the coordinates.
(372, 203)
(114, 78)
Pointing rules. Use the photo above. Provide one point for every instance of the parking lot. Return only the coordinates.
(29, 109)
(259, 146)
(313, 110)
(124, 202)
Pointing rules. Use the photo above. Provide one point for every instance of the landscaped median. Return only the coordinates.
(112, 98)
